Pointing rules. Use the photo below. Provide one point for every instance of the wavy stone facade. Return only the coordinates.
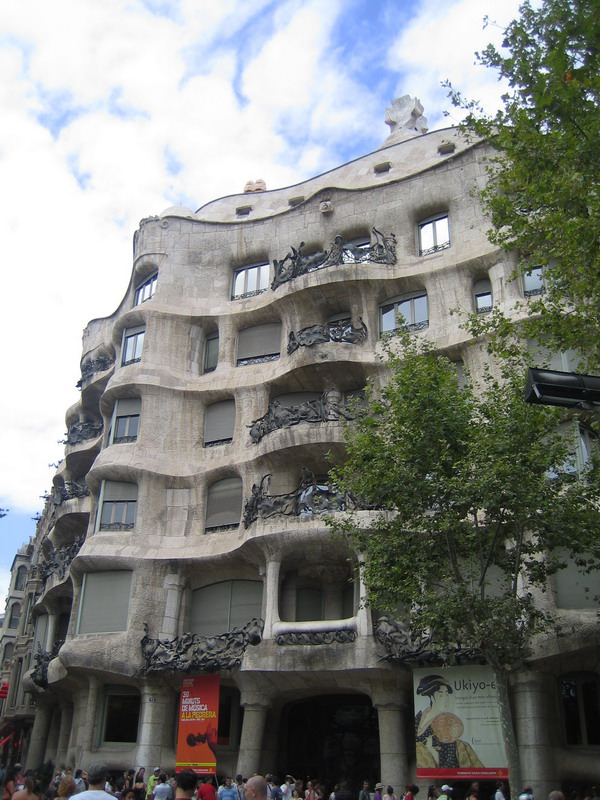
(212, 401)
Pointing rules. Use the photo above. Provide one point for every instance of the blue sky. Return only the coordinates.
(113, 110)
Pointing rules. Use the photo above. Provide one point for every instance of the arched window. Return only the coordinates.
(406, 312)
(224, 504)
(259, 343)
(580, 700)
(249, 281)
(219, 421)
(222, 606)
(21, 578)
(14, 616)
(482, 296)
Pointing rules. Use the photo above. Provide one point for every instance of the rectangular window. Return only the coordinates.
(218, 423)
(250, 281)
(533, 282)
(118, 503)
(434, 235)
(121, 714)
(133, 342)
(146, 290)
(405, 313)
(259, 343)
(126, 420)
(211, 352)
(104, 603)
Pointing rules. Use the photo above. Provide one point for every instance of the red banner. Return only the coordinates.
(198, 724)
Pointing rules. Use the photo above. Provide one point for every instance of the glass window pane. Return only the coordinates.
(426, 236)
(420, 310)
(405, 309)
(388, 318)
(442, 233)
(211, 353)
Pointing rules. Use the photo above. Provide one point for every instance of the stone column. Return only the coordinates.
(66, 723)
(174, 586)
(534, 722)
(51, 632)
(256, 706)
(88, 720)
(271, 600)
(364, 624)
(157, 709)
(391, 708)
(39, 736)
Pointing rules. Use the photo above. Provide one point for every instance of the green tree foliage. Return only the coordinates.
(478, 503)
(543, 194)
(478, 493)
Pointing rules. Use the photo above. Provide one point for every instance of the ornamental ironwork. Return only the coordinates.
(315, 637)
(41, 660)
(295, 263)
(94, 365)
(402, 647)
(341, 330)
(81, 431)
(310, 497)
(325, 408)
(70, 491)
(192, 652)
(58, 560)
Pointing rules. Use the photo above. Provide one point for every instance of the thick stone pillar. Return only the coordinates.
(39, 736)
(157, 709)
(87, 730)
(256, 706)
(391, 708)
(364, 624)
(66, 723)
(271, 601)
(534, 722)
(51, 632)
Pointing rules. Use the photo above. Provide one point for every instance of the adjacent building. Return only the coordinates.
(185, 530)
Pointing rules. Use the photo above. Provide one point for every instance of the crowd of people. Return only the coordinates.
(98, 783)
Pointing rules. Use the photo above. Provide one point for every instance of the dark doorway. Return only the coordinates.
(331, 738)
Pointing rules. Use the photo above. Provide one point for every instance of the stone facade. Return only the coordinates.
(190, 501)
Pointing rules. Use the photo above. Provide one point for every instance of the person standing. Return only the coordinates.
(97, 776)
(185, 784)
(206, 790)
(256, 788)
(162, 790)
(365, 792)
(227, 791)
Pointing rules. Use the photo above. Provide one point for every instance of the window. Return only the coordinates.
(580, 700)
(120, 714)
(356, 250)
(118, 504)
(413, 310)
(133, 342)
(126, 420)
(211, 352)
(533, 282)
(40, 633)
(146, 290)
(482, 295)
(259, 343)
(250, 281)
(104, 603)
(14, 616)
(224, 504)
(222, 606)
(434, 235)
(218, 423)
(9, 650)
(21, 578)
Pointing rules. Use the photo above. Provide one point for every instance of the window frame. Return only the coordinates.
(110, 692)
(410, 325)
(21, 578)
(81, 603)
(209, 353)
(116, 417)
(483, 288)
(585, 712)
(136, 336)
(261, 271)
(129, 509)
(431, 223)
(14, 617)
(225, 526)
(533, 281)
(146, 290)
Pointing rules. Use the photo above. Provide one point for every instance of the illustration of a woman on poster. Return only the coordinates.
(438, 729)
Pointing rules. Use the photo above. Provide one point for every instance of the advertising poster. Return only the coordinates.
(198, 724)
(457, 724)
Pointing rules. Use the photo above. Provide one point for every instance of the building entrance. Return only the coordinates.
(331, 738)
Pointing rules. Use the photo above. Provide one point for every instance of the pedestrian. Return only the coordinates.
(97, 777)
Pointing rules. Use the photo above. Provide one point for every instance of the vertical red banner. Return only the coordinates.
(198, 724)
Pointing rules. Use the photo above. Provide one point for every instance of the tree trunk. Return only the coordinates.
(508, 731)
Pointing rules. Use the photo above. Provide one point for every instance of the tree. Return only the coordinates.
(543, 194)
(478, 503)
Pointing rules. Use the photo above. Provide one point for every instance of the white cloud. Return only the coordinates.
(439, 44)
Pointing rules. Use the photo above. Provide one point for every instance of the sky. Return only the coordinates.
(114, 110)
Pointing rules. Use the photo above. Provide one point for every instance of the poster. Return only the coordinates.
(458, 728)
(198, 724)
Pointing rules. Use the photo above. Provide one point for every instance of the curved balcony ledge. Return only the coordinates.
(315, 626)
